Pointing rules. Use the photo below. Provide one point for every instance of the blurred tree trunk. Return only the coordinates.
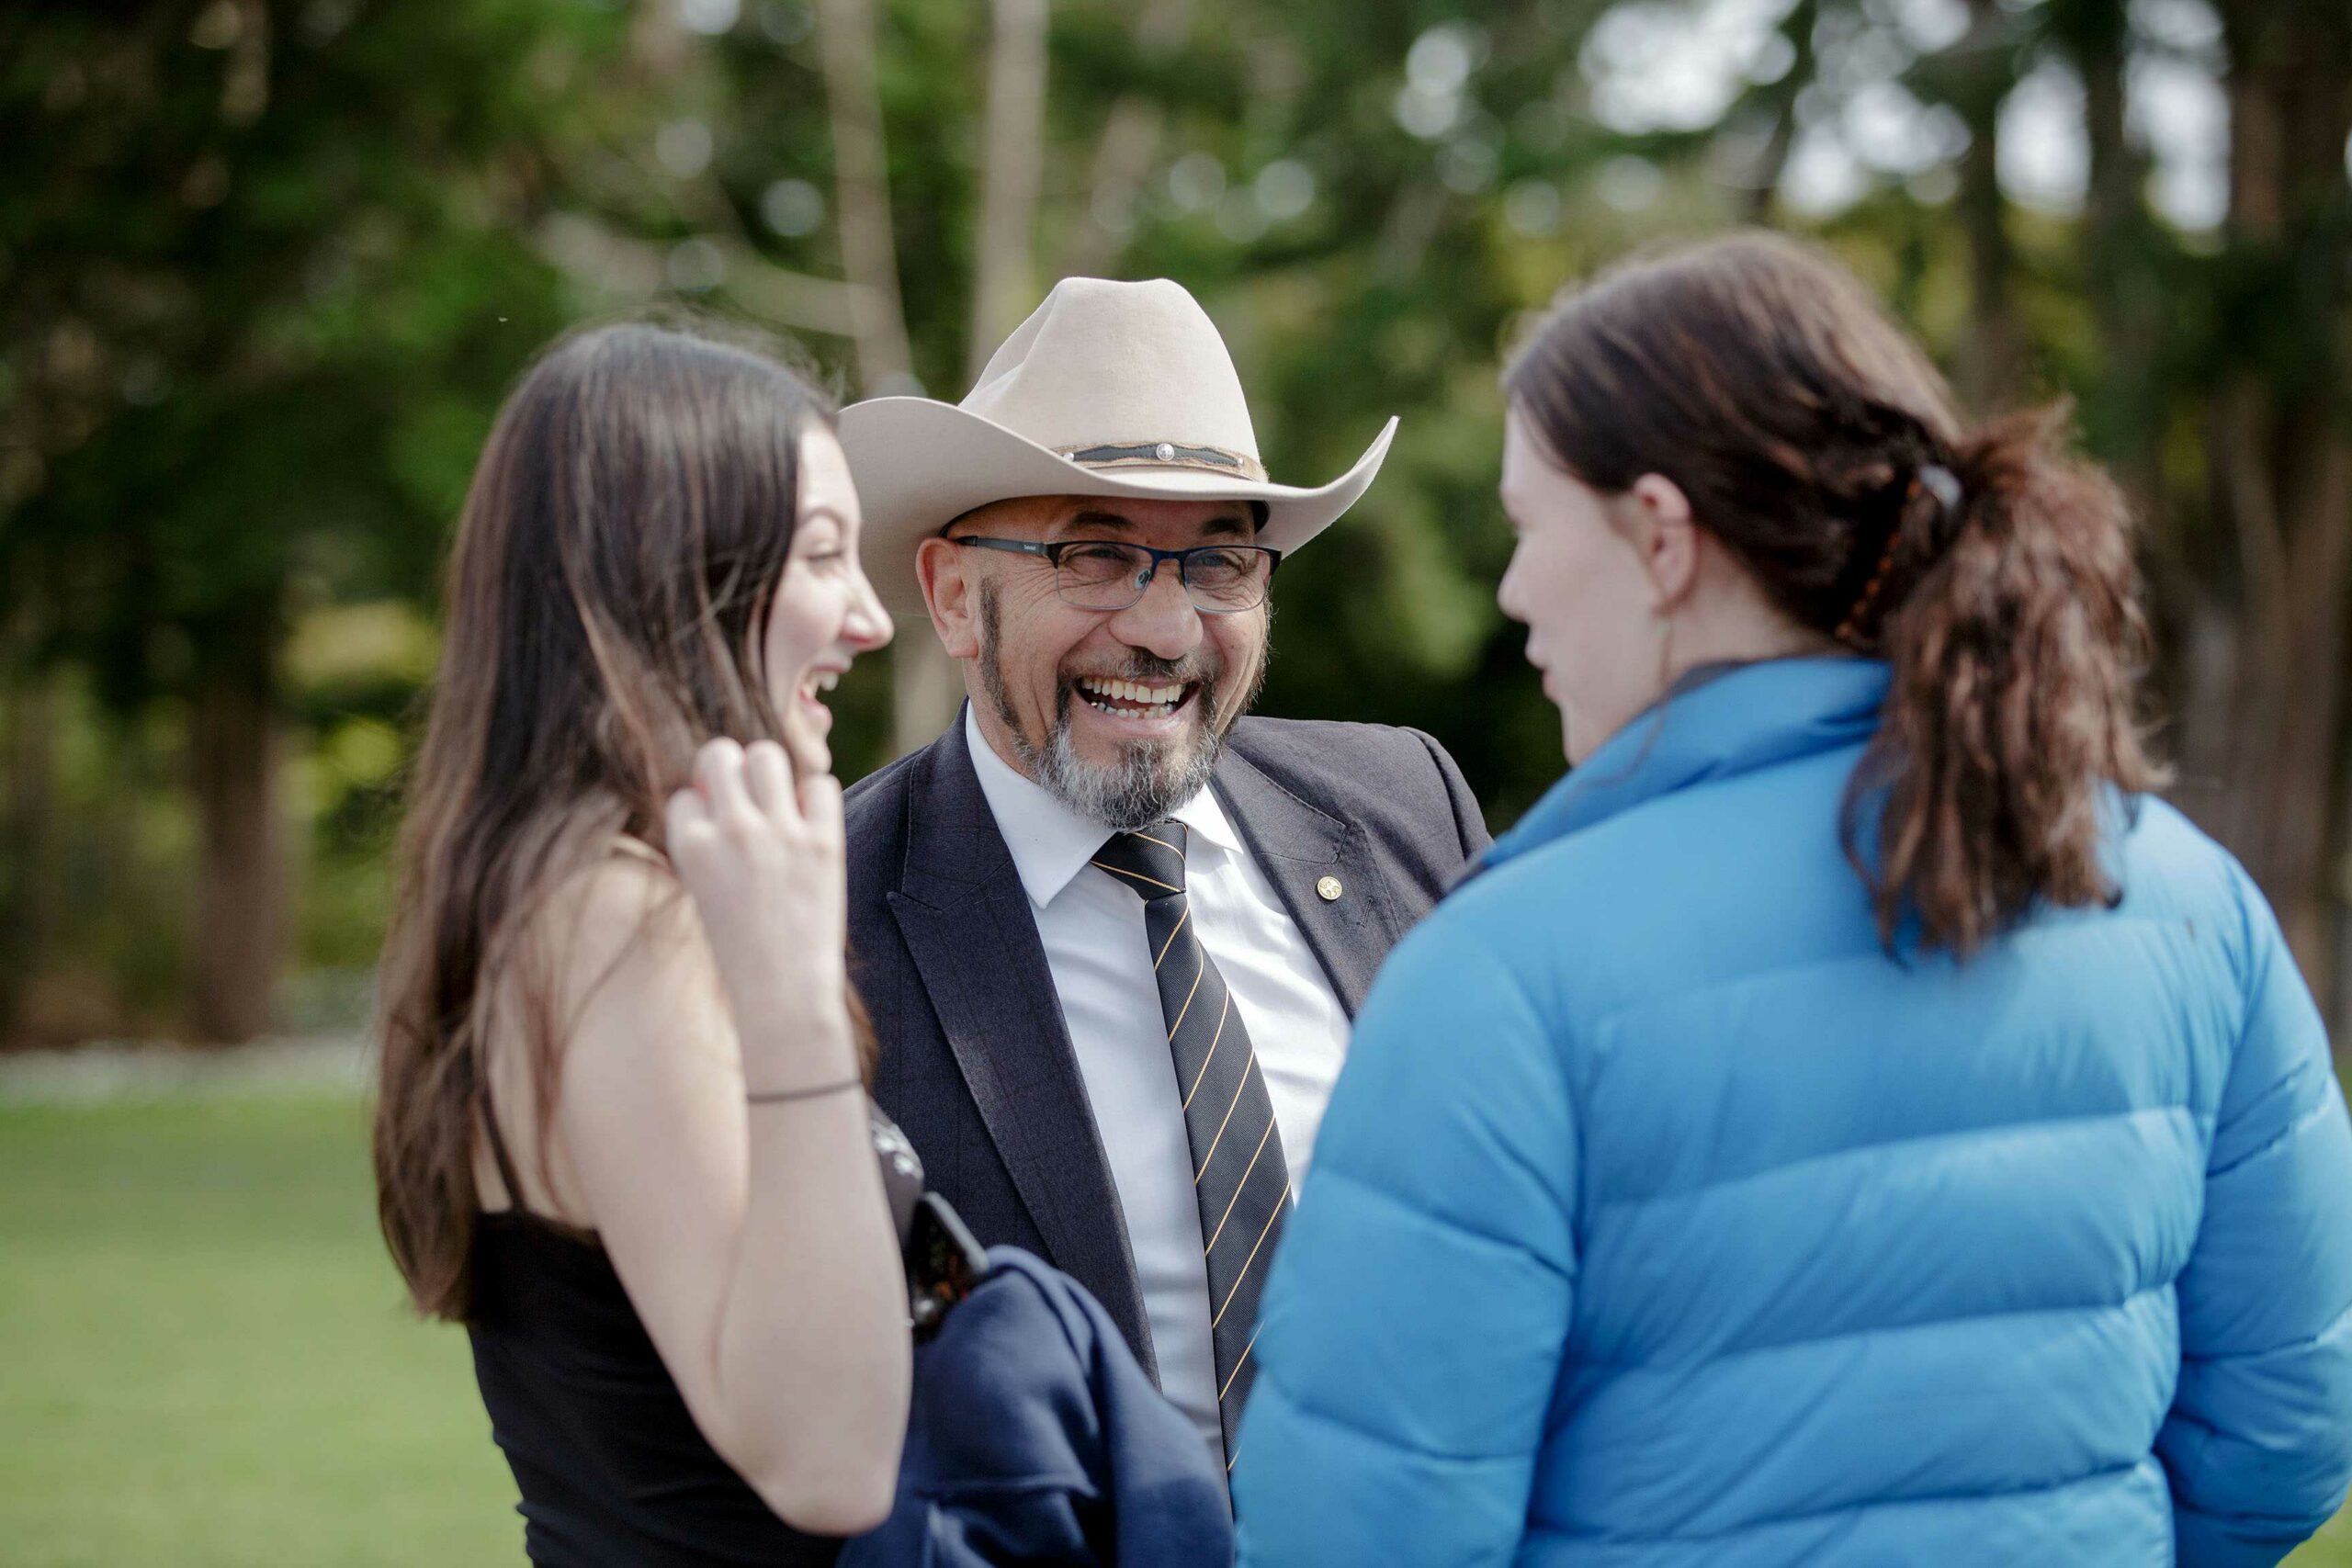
(862, 195)
(925, 683)
(2281, 456)
(1125, 152)
(239, 880)
(28, 742)
(2127, 410)
(1002, 285)
(1760, 183)
(1989, 365)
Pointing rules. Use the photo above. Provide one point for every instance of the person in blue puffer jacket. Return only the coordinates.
(1848, 1121)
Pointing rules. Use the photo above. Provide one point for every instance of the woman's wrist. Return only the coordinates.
(799, 1096)
(795, 1043)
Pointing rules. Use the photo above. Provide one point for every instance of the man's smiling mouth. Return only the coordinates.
(1133, 699)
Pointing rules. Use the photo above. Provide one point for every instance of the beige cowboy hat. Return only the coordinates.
(1109, 388)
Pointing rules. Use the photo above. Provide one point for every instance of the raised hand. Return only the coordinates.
(761, 856)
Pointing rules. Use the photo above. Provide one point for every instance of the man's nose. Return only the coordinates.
(1163, 622)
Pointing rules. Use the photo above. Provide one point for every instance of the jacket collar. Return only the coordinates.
(1737, 721)
(969, 931)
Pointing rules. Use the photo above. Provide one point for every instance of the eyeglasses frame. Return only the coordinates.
(1051, 552)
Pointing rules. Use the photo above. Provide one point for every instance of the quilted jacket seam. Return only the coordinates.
(1315, 1414)
(1954, 1320)
(2322, 1105)
(2333, 1327)
(1684, 993)
(1924, 1499)
(1881, 1145)
(1338, 1173)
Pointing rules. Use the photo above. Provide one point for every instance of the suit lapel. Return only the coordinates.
(1307, 853)
(974, 941)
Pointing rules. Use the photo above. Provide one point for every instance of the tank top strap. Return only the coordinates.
(498, 1154)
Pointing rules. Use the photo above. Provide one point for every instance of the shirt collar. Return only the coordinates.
(1050, 843)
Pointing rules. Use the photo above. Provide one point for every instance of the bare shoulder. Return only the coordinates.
(619, 935)
(609, 989)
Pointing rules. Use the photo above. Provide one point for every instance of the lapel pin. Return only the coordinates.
(1328, 889)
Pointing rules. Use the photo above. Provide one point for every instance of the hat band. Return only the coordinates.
(1168, 455)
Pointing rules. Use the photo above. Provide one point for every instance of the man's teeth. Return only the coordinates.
(1158, 700)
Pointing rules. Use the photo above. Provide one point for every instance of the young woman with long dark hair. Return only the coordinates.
(1848, 1121)
(622, 1131)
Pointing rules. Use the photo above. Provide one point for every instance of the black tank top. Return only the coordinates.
(612, 1468)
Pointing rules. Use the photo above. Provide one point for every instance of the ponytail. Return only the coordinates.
(2008, 721)
(1993, 571)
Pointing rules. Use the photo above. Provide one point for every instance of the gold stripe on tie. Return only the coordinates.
(1240, 1089)
(1136, 877)
(1237, 1363)
(1238, 1188)
(1196, 991)
(1214, 1040)
(1238, 1278)
(1151, 865)
(1173, 935)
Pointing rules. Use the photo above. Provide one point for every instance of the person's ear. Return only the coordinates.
(943, 568)
(1666, 537)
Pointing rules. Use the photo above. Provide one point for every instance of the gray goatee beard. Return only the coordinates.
(1149, 779)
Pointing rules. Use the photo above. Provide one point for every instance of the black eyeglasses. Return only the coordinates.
(1104, 574)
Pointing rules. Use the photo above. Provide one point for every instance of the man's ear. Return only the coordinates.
(1666, 536)
(951, 596)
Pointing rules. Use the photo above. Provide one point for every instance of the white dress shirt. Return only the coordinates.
(1093, 928)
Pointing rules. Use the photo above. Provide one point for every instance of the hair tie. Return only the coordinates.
(1938, 482)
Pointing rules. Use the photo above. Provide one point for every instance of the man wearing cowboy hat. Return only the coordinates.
(1111, 932)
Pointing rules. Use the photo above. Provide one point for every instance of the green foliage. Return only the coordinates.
(109, 876)
(255, 317)
(283, 258)
(259, 308)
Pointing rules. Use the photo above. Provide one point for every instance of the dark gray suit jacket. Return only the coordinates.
(976, 1062)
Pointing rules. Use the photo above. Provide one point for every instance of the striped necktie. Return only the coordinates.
(1240, 1181)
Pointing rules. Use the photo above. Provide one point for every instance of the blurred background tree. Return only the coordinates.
(260, 297)
(271, 264)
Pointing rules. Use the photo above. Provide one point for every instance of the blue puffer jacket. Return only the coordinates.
(1661, 1218)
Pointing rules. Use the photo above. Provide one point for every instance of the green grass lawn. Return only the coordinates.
(204, 1354)
(203, 1358)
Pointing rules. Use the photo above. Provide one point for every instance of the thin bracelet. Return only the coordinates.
(783, 1096)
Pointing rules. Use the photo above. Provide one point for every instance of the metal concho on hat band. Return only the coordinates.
(1168, 455)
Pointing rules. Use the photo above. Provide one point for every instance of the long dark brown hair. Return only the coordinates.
(607, 597)
(1992, 569)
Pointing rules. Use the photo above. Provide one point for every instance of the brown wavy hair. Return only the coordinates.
(1990, 568)
(607, 598)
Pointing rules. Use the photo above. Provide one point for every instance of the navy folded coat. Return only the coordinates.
(1035, 1438)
